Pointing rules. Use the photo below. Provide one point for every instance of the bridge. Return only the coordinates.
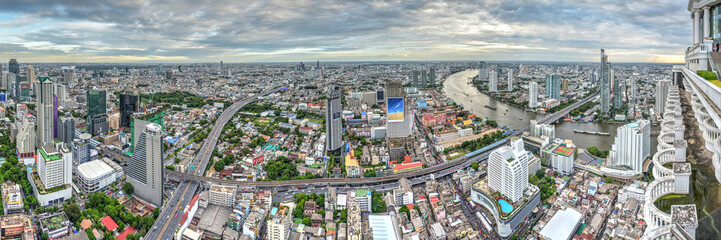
(563, 112)
(164, 226)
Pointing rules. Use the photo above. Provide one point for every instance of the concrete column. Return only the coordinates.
(706, 22)
(695, 27)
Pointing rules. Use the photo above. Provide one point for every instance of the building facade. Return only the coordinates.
(44, 106)
(222, 195)
(631, 146)
(54, 165)
(95, 175)
(334, 128)
(96, 106)
(492, 81)
(145, 168)
(532, 94)
(605, 86)
(508, 170)
(66, 130)
(129, 104)
(553, 86)
(661, 94)
(26, 138)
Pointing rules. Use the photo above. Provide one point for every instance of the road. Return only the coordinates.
(164, 227)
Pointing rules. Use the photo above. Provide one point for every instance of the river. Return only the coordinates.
(458, 88)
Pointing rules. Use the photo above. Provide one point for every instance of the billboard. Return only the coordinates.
(395, 109)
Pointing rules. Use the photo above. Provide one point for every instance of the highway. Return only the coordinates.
(164, 227)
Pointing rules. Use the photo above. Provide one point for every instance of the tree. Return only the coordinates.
(378, 204)
(475, 166)
(73, 212)
(170, 167)
(540, 173)
(405, 209)
(128, 188)
(492, 123)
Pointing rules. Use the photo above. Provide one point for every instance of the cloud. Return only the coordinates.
(302, 30)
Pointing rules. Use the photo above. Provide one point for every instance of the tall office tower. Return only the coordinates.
(564, 85)
(432, 77)
(26, 137)
(605, 86)
(14, 66)
(661, 95)
(399, 122)
(631, 146)
(424, 79)
(3, 80)
(81, 149)
(62, 93)
(414, 77)
(55, 164)
(129, 104)
(279, 227)
(69, 76)
(115, 71)
(66, 130)
(334, 128)
(9, 83)
(553, 86)
(44, 107)
(492, 81)
(532, 94)
(31, 75)
(619, 87)
(483, 71)
(96, 107)
(592, 77)
(145, 169)
(221, 64)
(510, 79)
(508, 170)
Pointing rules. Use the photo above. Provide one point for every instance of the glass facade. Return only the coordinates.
(715, 22)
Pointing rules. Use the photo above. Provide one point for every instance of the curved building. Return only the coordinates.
(95, 175)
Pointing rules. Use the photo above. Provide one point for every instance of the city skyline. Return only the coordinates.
(338, 31)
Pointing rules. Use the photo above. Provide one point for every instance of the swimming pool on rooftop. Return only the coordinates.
(505, 206)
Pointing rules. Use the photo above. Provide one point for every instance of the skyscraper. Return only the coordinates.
(81, 149)
(508, 170)
(66, 130)
(145, 169)
(619, 88)
(631, 146)
(532, 94)
(424, 79)
(492, 81)
(432, 77)
(414, 77)
(44, 106)
(334, 128)
(31, 75)
(14, 66)
(26, 138)
(553, 86)
(483, 71)
(55, 165)
(661, 95)
(96, 107)
(129, 104)
(605, 86)
(510, 79)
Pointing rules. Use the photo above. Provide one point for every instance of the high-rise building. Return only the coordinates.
(399, 122)
(605, 86)
(31, 75)
(169, 75)
(44, 106)
(631, 146)
(129, 104)
(14, 66)
(26, 137)
(55, 165)
(661, 95)
(508, 170)
(564, 85)
(62, 93)
(99, 124)
(279, 227)
(81, 149)
(538, 130)
(96, 107)
(424, 79)
(532, 94)
(66, 130)
(432, 77)
(510, 79)
(619, 88)
(483, 71)
(414, 77)
(492, 81)
(334, 128)
(145, 169)
(553, 86)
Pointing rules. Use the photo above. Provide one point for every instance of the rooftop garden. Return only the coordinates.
(41, 187)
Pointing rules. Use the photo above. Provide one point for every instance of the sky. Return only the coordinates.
(349, 30)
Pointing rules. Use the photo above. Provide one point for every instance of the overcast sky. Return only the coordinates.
(309, 30)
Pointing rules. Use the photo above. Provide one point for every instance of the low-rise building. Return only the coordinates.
(55, 226)
(12, 198)
(222, 195)
(95, 175)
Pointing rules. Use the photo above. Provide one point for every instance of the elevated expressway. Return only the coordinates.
(164, 226)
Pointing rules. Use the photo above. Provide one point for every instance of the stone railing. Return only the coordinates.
(659, 159)
(655, 190)
(710, 134)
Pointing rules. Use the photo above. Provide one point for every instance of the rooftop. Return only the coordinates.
(49, 153)
(223, 189)
(684, 215)
(94, 169)
(562, 224)
(382, 227)
(680, 168)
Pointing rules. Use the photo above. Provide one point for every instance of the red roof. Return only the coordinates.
(128, 231)
(407, 165)
(407, 159)
(109, 223)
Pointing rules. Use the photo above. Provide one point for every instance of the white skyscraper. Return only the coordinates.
(508, 170)
(631, 146)
(538, 130)
(44, 108)
(510, 79)
(532, 94)
(145, 168)
(493, 81)
(483, 71)
(661, 95)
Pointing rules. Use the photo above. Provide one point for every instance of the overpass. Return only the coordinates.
(563, 112)
(164, 226)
